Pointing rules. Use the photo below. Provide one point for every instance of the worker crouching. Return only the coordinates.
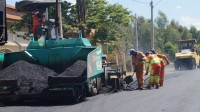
(138, 60)
(153, 64)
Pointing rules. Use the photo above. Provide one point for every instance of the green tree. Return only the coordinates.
(23, 23)
(161, 23)
(194, 32)
(105, 18)
(170, 50)
(144, 32)
(184, 33)
(198, 37)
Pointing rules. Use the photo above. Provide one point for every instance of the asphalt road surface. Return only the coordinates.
(180, 93)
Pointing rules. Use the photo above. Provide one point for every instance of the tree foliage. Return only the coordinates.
(105, 19)
(23, 23)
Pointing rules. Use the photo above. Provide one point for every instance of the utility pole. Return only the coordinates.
(60, 18)
(56, 20)
(152, 26)
(80, 4)
(136, 31)
(125, 54)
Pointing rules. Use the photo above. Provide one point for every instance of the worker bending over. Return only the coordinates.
(163, 59)
(153, 64)
(138, 59)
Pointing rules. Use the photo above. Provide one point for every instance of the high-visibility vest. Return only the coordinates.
(152, 59)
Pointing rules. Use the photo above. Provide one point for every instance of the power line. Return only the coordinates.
(140, 2)
(147, 2)
(157, 3)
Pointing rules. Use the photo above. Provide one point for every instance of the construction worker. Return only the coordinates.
(138, 59)
(153, 64)
(38, 20)
(163, 59)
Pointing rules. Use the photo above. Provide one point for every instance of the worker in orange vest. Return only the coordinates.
(153, 64)
(38, 20)
(138, 59)
(163, 60)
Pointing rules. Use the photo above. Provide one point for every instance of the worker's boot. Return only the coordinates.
(148, 87)
(157, 86)
(140, 87)
(161, 84)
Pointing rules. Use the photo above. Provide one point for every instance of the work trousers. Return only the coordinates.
(162, 72)
(140, 74)
(155, 74)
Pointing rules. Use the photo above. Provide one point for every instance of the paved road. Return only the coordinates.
(181, 93)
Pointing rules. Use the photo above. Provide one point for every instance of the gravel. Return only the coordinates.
(33, 79)
(77, 69)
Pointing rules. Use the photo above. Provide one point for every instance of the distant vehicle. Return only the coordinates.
(188, 57)
(3, 28)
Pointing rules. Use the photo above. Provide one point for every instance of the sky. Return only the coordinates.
(186, 12)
